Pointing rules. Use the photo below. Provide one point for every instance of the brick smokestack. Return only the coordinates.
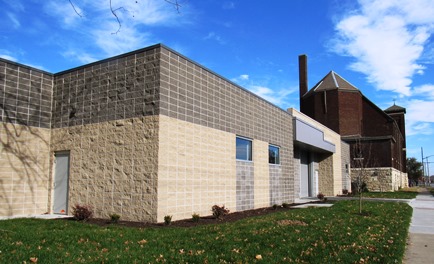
(302, 74)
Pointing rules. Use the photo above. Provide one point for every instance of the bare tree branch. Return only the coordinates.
(175, 3)
(75, 10)
(116, 16)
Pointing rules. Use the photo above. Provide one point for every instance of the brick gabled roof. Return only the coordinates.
(332, 81)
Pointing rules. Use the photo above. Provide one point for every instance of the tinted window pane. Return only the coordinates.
(244, 149)
(273, 155)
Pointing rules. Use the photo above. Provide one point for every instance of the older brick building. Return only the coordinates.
(376, 137)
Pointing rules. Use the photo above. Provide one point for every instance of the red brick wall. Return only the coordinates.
(350, 114)
(350, 111)
(375, 123)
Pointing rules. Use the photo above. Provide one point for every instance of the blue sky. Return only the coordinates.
(383, 47)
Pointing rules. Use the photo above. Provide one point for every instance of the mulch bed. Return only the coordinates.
(205, 220)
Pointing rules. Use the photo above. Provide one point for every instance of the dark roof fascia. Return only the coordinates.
(25, 66)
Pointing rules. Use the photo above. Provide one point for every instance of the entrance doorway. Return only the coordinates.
(61, 183)
(306, 181)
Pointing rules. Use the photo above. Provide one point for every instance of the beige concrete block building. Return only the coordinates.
(147, 134)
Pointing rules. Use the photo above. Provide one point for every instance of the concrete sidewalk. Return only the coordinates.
(420, 243)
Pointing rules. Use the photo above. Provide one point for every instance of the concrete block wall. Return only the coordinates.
(24, 166)
(113, 166)
(297, 169)
(262, 174)
(346, 166)
(192, 93)
(196, 169)
(119, 88)
(326, 180)
(25, 112)
(245, 185)
(25, 95)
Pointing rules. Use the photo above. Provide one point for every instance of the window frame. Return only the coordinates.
(276, 159)
(249, 153)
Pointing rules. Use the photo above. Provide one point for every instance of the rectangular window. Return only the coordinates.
(273, 154)
(244, 149)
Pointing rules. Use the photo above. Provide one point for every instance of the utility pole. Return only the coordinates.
(423, 163)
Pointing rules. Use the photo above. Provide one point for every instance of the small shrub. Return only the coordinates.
(275, 206)
(219, 211)
(345, 191)
(167, 219)
(195, 217)
(82, 212)
(286, 205)
(356, 186)
(114, 218)
(320, 196)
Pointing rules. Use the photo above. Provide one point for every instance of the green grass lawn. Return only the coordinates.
(391, 195)
(313, 235)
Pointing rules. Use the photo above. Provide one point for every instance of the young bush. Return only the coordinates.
(356, 187)
(344, 191)
(82, 212)
(286, 205)
(167, 219)
(219, 211)
(114, 218)
(195, 217)
(320, 196)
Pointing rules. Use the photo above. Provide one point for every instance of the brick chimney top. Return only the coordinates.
(302, 74)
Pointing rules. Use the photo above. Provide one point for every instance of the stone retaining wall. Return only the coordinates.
(381, 179)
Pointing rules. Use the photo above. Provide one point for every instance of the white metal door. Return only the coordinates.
(61, 176)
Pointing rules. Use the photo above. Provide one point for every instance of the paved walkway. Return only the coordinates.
(420, 243)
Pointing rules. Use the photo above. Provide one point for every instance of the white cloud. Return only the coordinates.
(15, 23)
(419, 117)
(278, 98)
(387, 39)
(214, 36)
(15, 4)
(115, 44)
(8, 57)
(420, 111)
(81, 56)
(242, 79)
(64, 11)
(418, 128)
(228, 5)
(98, 25)
(426, 90)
